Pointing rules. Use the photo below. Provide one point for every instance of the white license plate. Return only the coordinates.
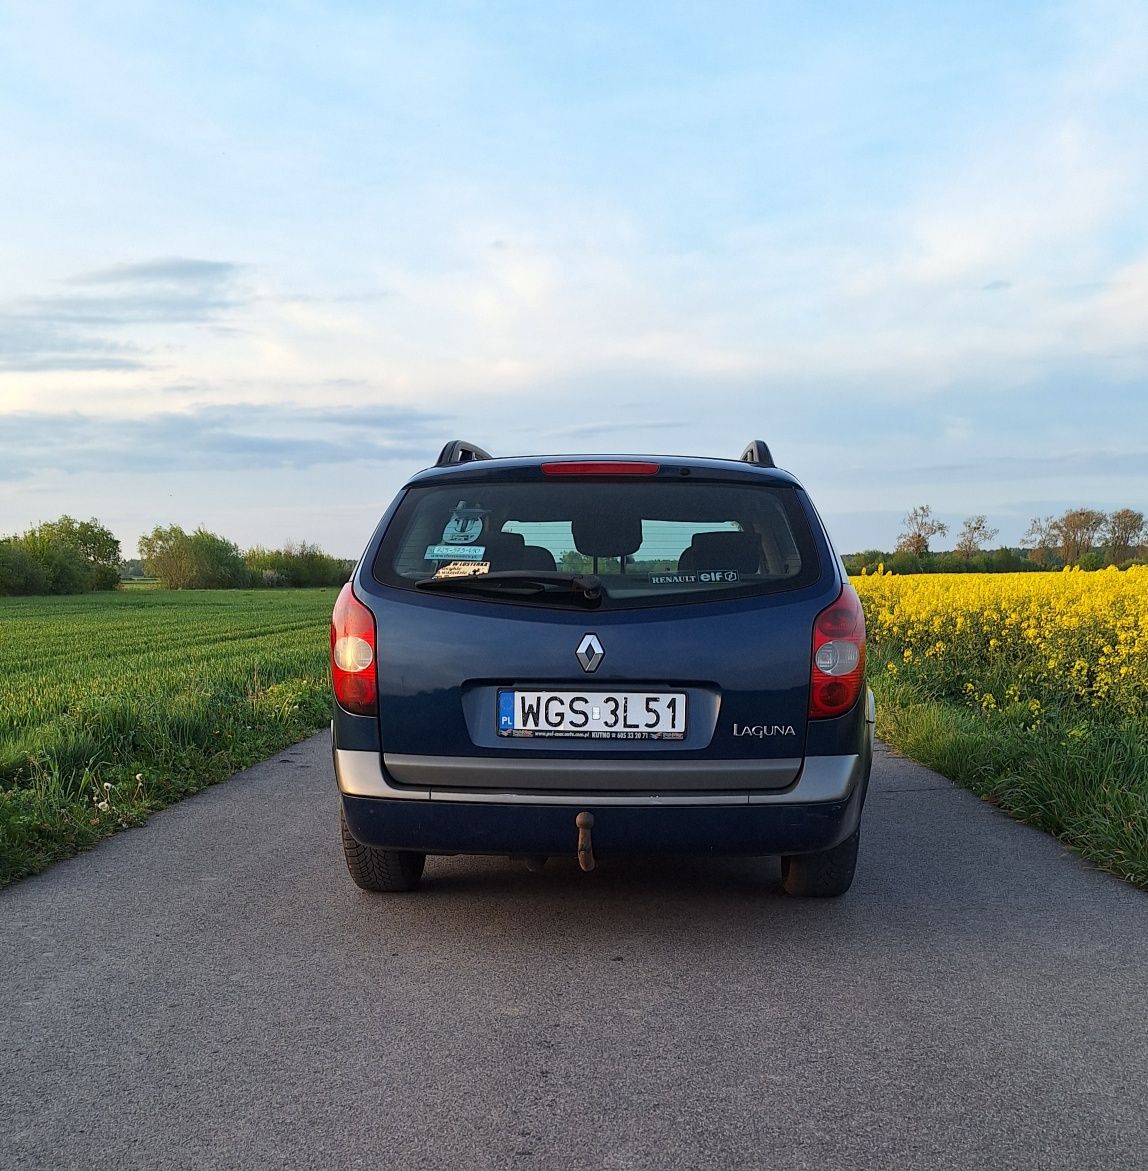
(597, 715)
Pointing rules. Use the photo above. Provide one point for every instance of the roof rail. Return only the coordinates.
(458, 451)
(758, 453)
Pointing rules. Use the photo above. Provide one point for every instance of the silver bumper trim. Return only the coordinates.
(360, 775)
(586, 776)
(822, 778)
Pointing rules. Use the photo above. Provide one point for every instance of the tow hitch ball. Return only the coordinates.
(585, 823)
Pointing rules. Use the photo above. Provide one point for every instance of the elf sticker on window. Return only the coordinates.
(464, 526)
(454, 552)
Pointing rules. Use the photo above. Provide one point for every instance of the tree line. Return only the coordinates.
(201, 560)
(1083, 537)
(68, 556)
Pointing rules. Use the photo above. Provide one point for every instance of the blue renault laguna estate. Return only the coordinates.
(598, 655)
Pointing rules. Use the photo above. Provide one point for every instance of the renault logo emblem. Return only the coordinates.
(590, 653)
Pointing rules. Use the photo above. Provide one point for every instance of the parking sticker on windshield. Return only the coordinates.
(464, 526)
(454, 552)
(462, 569)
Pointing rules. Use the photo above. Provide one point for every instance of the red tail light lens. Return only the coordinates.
(600, 467)
(837, 673)
(353, 672)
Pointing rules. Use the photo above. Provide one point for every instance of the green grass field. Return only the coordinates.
(113, 705)
(1083, 778)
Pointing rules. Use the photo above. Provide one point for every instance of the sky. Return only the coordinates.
(260, 261)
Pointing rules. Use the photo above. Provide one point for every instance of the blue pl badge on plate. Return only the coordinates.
(506, 711)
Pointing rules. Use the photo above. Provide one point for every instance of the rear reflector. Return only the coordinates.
(353, 672)
(600, 467)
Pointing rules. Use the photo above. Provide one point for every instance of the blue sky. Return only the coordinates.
(261, 261)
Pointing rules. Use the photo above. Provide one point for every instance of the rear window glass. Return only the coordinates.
(649, 544)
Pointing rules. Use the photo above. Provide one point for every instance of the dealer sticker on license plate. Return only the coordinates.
(596, 715)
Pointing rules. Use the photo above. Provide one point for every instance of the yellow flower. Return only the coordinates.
(1074, 637)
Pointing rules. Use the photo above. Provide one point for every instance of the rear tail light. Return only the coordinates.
(837, 673)
(353, 655)
(600, 467)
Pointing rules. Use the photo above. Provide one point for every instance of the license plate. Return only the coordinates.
(595, 715)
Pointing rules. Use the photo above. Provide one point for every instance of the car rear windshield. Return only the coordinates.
(643, 544)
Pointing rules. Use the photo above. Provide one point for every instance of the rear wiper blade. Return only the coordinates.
(585, 589)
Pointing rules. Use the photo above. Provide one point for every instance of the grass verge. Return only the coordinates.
(115, 705)
(1081, 776)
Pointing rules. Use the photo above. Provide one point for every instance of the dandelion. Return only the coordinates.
(103, 806)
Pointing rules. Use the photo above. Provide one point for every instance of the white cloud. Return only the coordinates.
(411, 211)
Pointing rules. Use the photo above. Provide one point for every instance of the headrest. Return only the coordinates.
(740, 552)
(505, 542)
(607, 536)
(504, 551)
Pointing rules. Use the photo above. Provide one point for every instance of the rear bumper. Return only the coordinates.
(820, 809)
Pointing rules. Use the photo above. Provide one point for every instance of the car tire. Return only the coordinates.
(380, 870)
(824, 875)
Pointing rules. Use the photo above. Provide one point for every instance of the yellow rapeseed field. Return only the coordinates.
(1023, 641)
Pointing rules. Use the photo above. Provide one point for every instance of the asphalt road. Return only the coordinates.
(210, 991)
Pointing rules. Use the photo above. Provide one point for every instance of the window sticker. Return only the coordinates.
(709, 577)
(462, 569)
(454, 552)
(465, 525)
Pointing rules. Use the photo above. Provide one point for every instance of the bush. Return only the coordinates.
(218, 564)
(866, 562)
(67, 556)
(1003, 560)
(296, 565)
(166, 555)
(20, 572)
(62, 556)
(60, 568)
(67, 569)
(903, 562)
(192, 561)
